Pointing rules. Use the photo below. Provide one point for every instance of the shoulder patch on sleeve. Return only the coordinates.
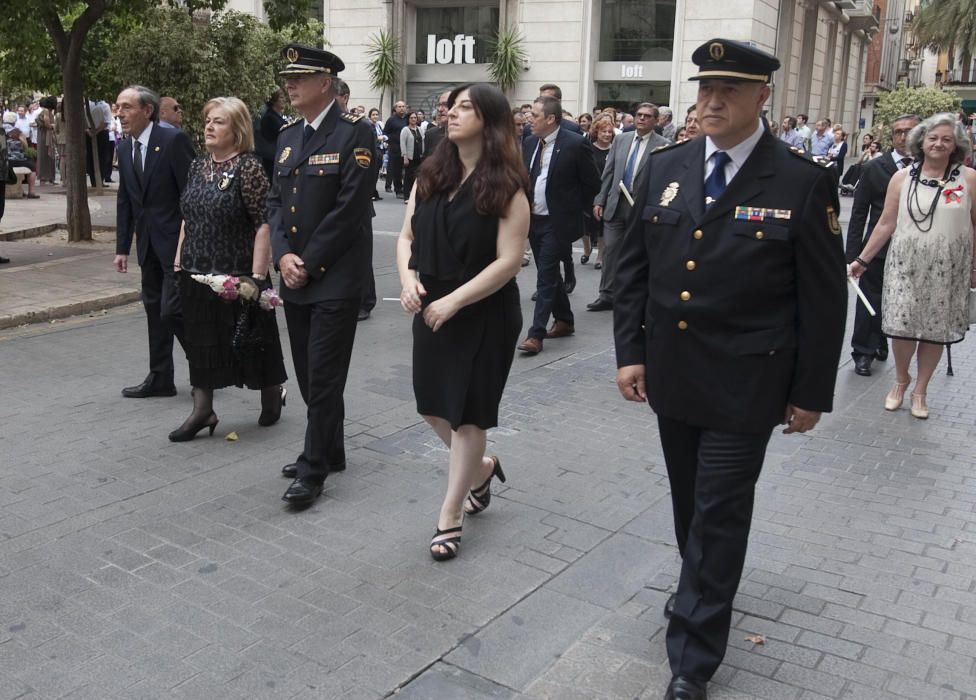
(351, 118)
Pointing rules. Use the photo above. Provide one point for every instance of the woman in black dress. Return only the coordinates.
(225, 232)
(458, 253)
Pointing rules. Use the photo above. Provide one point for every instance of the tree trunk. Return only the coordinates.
(78, 214)
(68, 46)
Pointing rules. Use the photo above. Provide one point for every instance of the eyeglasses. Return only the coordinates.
(177, 108)
(644, 115)
(902, 132)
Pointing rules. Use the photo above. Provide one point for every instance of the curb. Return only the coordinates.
(36, 231)
(66, 310)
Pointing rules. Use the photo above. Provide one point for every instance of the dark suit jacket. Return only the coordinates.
(151, 212)
(572, 183)
(732, 318)
(869, 198)
(319, 203)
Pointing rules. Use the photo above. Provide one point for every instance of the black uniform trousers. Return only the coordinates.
(867, 338)
(322, 335)
(548, 249)
(394, 170)
(713, 476)
(164, 315)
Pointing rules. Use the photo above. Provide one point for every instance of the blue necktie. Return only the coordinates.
(715, 183)
(631, 163)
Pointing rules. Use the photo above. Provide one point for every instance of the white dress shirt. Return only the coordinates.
(143, 138)
(738, 154)
(317, 122)
(539, 205)
(642, 146)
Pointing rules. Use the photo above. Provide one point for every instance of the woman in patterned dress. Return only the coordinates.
(929, 215)
(225, 232)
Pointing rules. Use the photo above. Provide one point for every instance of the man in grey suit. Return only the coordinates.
(628, 153)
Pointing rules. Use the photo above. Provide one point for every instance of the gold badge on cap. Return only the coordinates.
(716, 51)
(291, 54)
(832, 221)
(670, 192)
(363, 157)
(284, 154)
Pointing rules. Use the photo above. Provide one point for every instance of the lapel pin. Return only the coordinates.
(156, 149)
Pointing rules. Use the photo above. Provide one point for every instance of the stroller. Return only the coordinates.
(848, 183)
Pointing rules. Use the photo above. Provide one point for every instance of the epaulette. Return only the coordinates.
(805, 156)
(350, 117)
(291, 123)
(671, 145)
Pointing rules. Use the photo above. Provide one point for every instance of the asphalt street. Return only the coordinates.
(132, 567)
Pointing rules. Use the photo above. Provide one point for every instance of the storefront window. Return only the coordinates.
(455, 34)
(637, 30)
(626, 96)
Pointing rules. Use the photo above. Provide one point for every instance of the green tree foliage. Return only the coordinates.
(61, 45)
(924, 102)
(506, 56)
(944, 25)
(194, 60)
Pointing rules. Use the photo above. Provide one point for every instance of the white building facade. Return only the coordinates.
(608, 52)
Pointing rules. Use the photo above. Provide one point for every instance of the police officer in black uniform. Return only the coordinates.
(729, 320)
(319, 199)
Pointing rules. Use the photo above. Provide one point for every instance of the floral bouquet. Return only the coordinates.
(232, 288)
(249, 339)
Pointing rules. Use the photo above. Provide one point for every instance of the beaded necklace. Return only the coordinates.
(914, 180)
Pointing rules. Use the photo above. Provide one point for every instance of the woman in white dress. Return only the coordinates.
(929, 215)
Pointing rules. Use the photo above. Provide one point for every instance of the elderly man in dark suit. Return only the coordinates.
(153, 166)
(867, 340)
(628, 153)
(728, 319)
(562, 178)
(318, 204)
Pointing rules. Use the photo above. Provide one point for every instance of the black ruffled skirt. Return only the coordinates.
(210, 324)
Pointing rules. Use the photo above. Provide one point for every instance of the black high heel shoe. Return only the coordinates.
(188, 431)
(271, 414)
(479, 498)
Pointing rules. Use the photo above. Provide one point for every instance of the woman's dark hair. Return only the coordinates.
(49, 102)
(499, 173)
(275, 94)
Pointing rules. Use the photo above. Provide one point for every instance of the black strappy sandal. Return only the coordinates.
(479, 498)
(450, 542)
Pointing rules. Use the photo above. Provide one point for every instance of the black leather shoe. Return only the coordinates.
(148, 388)
(600, 305)
(681, 688)
(291, 470)
(862, 365)
(570, 285)
(362, 315)
(881, 355)
(535, 295)
(669, 606)
(302, 492)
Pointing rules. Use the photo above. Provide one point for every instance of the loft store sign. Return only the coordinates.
(458, 50)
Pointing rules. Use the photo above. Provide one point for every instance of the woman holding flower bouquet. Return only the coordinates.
(224, 255)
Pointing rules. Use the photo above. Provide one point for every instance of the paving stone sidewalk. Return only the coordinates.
(131, 567)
